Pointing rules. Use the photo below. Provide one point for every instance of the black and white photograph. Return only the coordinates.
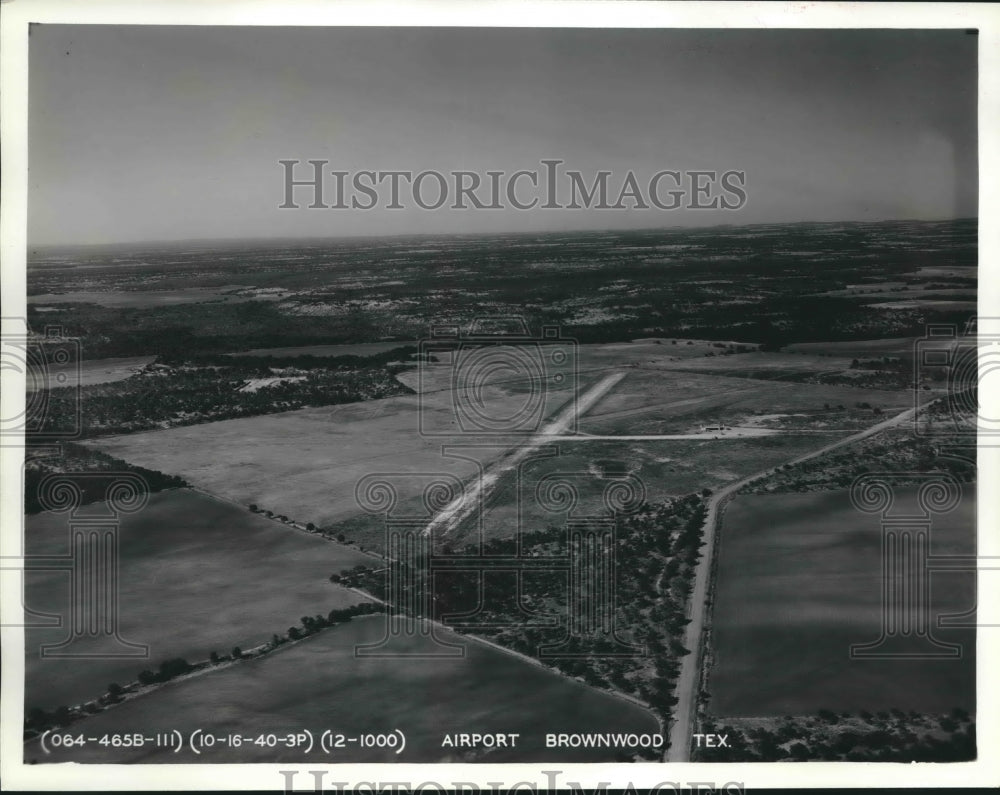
(386, 394)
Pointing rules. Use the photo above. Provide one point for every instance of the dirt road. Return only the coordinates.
(688, 681)
(467, 503)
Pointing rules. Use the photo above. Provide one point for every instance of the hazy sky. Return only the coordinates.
(146, 133)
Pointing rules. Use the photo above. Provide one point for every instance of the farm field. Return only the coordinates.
(799, 581)
(107, 371)
(320, 684)
(96, 371)
(195, 575)
(360, 349)
(665, 468)
(316, 457)
(851, 348)
(131, 299)
(664, 401)
(727, 364)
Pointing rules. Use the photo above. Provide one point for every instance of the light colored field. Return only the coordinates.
(798, 582)
(929, 303)
(100, 371)
(661, 401)
(653, 350)
(909, 291)
(320, 684)
(761, 363)
(195, 575)
(890, 346)
(306, 464)
(255, 384)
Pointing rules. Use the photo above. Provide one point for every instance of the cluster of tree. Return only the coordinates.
(900, 450)
(263, 366)
(75, 458)
(759, 289)
(187, 395)
(169, 669)
(37, 720)
(908, 737)
(656, 551)
(883, 363)
(312, 624)
(280, 517)
(181, 330)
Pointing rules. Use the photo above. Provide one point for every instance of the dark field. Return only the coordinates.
(319, 684)
(361, 349)
(196, 575)
(798, 582)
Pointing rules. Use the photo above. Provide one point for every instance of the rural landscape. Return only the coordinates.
(396, 490)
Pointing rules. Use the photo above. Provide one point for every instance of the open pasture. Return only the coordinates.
(320, 684)
(306, 464)
(890, 346)
(664, 401)
(195, 575)
(665, 468)
(658, 351)
(760, 364)
(799, 580)
(316, 457)
(99, 371)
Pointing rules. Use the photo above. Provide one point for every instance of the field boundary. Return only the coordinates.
(692, 674)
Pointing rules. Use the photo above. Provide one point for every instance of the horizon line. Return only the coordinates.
(485, 234)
